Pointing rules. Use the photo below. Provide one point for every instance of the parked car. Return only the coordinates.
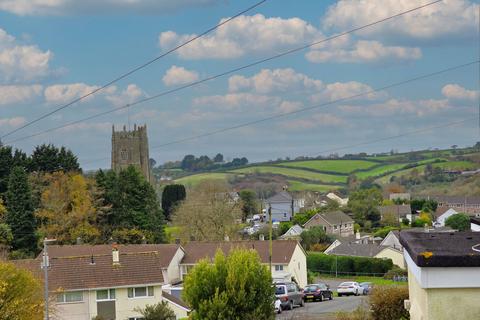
(317, 292)
(349, 288)
(289, 295)
(367, 287)
(278, 306)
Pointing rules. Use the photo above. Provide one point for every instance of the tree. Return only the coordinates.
(234, 287)
(20, 216)
(67, 209)
(315, 235)
(459, 221)
(6, 162)
(207, 213)
(363, 203)
(48, 158)
(423, 219)
(159, 311)
(171, 196)
(20, 294)
(188, 162)
(218, 158)
(6, 235)
(249, 203)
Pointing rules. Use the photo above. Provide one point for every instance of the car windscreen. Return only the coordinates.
(346, 284)
(280, 290)
(310, 289)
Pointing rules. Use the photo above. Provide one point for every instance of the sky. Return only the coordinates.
(53, 51)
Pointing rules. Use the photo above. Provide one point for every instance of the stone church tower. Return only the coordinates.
(131, 148)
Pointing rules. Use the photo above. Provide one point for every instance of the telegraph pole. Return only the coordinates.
(45, 266)
(270, 251)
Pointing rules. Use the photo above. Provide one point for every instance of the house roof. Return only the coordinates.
(442, 249)
(281, 254)
(401, 210)
(175, 300)
(165, 251)
(71, 267)
(440, 211)
(456, 199)
(332, 218)
(357, 249)
(293, 231)
(282, 196)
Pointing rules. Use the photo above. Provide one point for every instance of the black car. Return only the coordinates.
(317, 292)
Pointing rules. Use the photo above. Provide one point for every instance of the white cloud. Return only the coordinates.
(12, 94)
(63, 7)
(245, 34)
(364, 51)
(12, 122)
(277, 80)
(395, 106)
(237, 101)
(441, 20)
(62, 93)
(179, 75)
(22, 62)
(88, 126)
(131, 94)
(456, 92)
(314, 121)
(343, 90)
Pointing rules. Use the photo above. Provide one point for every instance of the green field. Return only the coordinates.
(294, 173)
(340, 166)
(301, 186)
(197, 178)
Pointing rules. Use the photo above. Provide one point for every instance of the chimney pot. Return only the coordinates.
(115, 255)
(261, 237)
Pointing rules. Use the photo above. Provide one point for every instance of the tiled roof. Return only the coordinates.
(175, 300)
(332, 218)
(357, 249)
(440, 211)
(442, 249)
(456, 199)
(281, 253)
(280, 197)
(401, 210)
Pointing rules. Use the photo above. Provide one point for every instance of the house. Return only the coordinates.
(401, 211)
(469, 205)
(293, 233)
(443, 275)
(289, 260)
(284, 206)
(336, 223)
(371, 250)
(475, 224)
(357, 238)
(89, 281)
(442, 214)
(342, 202)
(400, 196)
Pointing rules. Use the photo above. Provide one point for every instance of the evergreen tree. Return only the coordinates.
(6, 162)
(20, 216)
(48, 158)
(171, 196)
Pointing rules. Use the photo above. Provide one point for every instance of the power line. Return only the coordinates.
(195, 83)
(123, 76)
(317, 106)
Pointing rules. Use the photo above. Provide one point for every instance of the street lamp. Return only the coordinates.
(45, 265)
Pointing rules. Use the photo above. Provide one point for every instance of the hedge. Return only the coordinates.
(321, 262)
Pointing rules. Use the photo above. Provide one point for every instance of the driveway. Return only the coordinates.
(324, 310)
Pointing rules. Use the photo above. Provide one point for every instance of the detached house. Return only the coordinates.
(284, 206)
(336, 223)
(89, 281)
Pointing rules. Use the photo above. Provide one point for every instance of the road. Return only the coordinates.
(324, 310)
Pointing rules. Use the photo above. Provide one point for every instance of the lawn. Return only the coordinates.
(379, 281)
(294, 173)
(302, 186)
(197, 178)
(380, 170)
(340, 166)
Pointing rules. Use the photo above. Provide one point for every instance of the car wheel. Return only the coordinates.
(331, 296)
(356, 293)
(320, 298)
(339, 294)
(279, 310)
(290, 305)
(302, 303)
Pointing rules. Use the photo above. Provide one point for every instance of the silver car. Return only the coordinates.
(289, 295)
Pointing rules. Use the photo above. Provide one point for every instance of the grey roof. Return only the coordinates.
(357, 249)
(456, 199)
(293, 231)
(280, 197)
(333, 218)
(401, 210)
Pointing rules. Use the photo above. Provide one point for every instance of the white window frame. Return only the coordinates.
(279, 267)
(148, 290)
(109, 294)
(64, 297)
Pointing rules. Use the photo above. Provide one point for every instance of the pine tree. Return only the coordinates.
(171, 196)
(20, 216)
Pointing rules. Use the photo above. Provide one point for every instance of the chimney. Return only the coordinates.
(261, 237)
(227, 238)
(115, 255)
(357, 235)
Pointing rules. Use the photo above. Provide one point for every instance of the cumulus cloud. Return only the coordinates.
(12, 94)
(62, 93)
(245, 34)
(343, 90)
(88, 126)
(364, 51)
(72, 7)
(12, 122)
(442, 20)
(237, 101)
(131, 94)
(19, 62)
(456, 92)
(314, 121)
(179, 75)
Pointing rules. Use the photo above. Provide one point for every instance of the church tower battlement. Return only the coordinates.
(131, 148)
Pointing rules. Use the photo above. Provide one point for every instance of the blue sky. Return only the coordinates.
(52, 51)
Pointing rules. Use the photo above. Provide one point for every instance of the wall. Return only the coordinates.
(281, 211)
(298, 266)
(126, 305)
(180, 312)
(173, 270)
(391, 241)
(395, 255)
(72, 310)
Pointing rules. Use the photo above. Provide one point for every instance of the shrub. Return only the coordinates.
(460, 222)
(396, 271)
(382, 233)
(159, 311)
(386, 303)
(320, 262)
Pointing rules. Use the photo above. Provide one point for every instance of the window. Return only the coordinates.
(124, 154)
(291, 288)
(278, 267)
(140, 292)
(76, 296)
(136, 318)
(284, 214)
(334, 227)
(105, 295)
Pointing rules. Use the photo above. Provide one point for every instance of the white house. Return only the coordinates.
(284, 206)
(341, 201)
(442, 214)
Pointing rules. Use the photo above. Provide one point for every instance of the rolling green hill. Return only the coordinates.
(329, 174)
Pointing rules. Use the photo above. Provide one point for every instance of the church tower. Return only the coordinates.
(131, 148)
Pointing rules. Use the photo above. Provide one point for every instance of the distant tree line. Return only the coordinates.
(192, 163)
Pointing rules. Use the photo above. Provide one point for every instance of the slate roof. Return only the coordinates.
(401, 210)
(332, 218)
(442, 249)
(282, 196)
(281, 254)
(295, 230)
(357, 249)
(456, 199)
(175, 300)
(440, 210)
